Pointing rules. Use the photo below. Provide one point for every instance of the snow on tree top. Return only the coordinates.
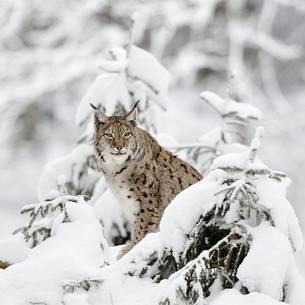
(236, 160)
(230, 106)
(143, 65)
(107, 89)
(138, 73)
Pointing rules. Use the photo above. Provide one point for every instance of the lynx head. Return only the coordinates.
(115, 136)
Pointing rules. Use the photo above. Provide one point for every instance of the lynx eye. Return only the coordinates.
(109, 135)
(127, 134)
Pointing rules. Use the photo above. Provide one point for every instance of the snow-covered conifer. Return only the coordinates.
(238, 205)
(45, 216)
(230, 136)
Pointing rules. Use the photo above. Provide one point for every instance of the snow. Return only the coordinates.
(69, 166)
(76, 299)
(270, 263)
(198, 198)
(230, 160)
(121, 288)
(76, 251)
(13, 250)
(107, 90)
(178, 221)
(229, 106)
(295, 280)
(73, 254)
(265, 267)
(212, 137)
(125, 80)
(256, 142)
(99, 189)
(61, 180)
(108, 210)
(135, 260)
(234, 297)
(236, 160)
(144, 66)
(166, 140)
(273, 196)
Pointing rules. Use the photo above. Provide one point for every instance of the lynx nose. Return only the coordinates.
(119, 148)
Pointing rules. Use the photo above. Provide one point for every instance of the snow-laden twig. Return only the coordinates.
(82, 285)
(256, 142)
(47, 214)
(132, 30)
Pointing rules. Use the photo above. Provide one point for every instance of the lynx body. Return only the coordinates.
(142, 175)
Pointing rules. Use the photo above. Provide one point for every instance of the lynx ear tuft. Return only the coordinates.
(100, 118)
(131, 116)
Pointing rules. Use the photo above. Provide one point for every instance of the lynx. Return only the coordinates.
(142, 175)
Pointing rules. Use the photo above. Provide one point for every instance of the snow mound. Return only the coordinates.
(13, 250)
(73, 254)
(236, 160)
(266, 266)
(232, 296)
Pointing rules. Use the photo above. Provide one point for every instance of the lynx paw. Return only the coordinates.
(124, 250)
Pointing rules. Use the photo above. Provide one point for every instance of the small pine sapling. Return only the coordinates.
(231, 135)
(46, 215)
(222, 237)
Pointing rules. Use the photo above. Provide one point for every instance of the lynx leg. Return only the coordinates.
(144, 223)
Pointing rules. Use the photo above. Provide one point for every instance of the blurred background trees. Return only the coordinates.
(50, 51)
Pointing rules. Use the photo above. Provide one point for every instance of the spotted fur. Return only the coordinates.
(143, 176)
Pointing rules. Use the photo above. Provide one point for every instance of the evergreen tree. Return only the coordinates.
(230, 136)
(216, 251)
(45, 216)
